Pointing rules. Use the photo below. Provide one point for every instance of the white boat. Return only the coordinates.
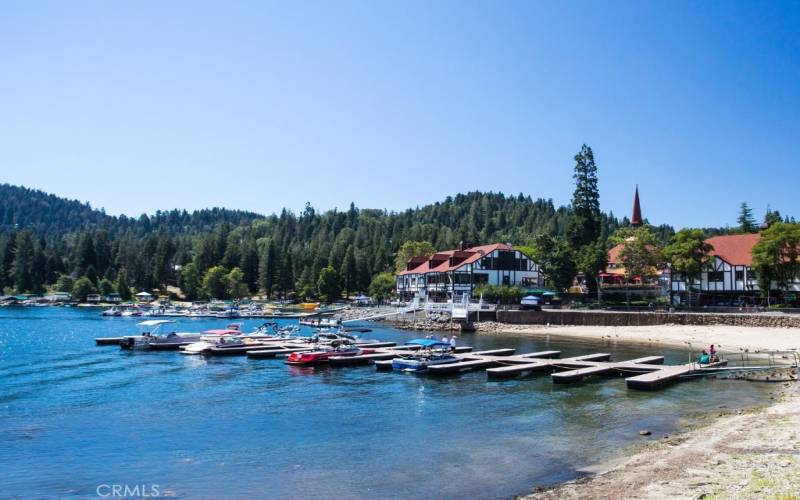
(232, 336)
(321, 322)
(152, 338)
(433, 352)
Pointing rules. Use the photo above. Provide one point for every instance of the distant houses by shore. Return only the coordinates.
(453, 273)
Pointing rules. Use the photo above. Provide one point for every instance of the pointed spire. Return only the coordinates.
(636, 220)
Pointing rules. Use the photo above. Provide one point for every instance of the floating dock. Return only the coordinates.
(647, 372)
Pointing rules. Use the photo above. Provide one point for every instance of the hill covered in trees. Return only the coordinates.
(47, 241)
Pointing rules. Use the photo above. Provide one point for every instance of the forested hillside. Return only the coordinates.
(46, 240)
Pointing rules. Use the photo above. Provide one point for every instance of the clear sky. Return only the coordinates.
(138, 106)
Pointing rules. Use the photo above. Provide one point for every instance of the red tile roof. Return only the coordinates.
(613, 254)
(734, 249)
(470, 255)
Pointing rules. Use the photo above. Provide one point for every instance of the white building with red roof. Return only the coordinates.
(731, 269)
(452, 273)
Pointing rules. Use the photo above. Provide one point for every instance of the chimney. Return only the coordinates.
(462, 245)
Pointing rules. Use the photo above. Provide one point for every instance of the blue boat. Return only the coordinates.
(432, 352)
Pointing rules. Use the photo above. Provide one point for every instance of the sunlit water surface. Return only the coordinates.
(76, 416)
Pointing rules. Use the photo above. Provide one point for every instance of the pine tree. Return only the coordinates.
(86, 255)
(747, 223)
(267, 269)
(22, 270)
(584, 226)
(349, 272)
(123, 289)
(248, 263)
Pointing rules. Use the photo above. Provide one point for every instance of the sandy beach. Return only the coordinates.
(728, 339)
(745, 454)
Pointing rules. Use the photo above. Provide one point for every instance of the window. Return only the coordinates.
(506, 261)
(739, 275)
(716, 276)
(480, 278)
(530, 281)
(506, 280)
(523, 264)
(461, 278)
(486, 263)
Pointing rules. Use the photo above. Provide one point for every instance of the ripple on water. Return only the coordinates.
(222, 427)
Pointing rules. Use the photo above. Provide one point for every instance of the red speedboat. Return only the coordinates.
(323, 354)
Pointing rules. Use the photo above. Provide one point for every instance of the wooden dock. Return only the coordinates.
(647, 372)
(605, 368)
(529, 366)
(668, 374)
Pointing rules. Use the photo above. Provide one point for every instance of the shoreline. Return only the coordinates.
(749, 453)
(746, 453)
(728, 339)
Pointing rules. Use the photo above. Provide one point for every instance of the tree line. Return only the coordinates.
(50, 243)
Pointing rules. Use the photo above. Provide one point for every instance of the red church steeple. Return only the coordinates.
(636, 220)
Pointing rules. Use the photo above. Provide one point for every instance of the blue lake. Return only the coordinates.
(76, 416)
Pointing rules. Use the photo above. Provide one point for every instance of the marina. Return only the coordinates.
(645, 373)
(316, 422)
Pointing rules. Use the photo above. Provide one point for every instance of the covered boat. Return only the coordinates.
(432, 352)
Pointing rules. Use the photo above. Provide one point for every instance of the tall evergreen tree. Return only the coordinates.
(349, 272)
(22, 270)
(267, 269)
(585, 223)
(747, 223)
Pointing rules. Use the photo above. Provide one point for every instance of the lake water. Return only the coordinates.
(76, 416)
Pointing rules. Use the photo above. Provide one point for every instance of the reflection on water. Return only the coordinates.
(231, 426)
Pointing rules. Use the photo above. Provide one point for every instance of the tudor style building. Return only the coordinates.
(452, 273)
(729, 274)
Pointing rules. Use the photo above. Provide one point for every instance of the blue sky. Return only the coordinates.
(138, 106)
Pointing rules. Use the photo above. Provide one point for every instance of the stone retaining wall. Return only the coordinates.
(602, 318)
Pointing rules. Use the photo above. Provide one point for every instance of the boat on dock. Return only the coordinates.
(151, 338)
(432, 352)
(232, 337)
(318, 322)
(323, 353)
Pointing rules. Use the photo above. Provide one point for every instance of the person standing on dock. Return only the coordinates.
(453, 342)
(445, 340)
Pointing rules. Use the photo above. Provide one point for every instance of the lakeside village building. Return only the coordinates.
(729, 279)
(453, 273)
(450, 274)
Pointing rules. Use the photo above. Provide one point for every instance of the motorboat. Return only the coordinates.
(233, 337)
(322, 353)
(229, 313)
(321, 322)
(151, 336)
(114, 311)
(432, 352)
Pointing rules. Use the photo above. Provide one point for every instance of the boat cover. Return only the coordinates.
(428, 343)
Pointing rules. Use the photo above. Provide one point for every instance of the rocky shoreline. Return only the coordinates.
(743, 454)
